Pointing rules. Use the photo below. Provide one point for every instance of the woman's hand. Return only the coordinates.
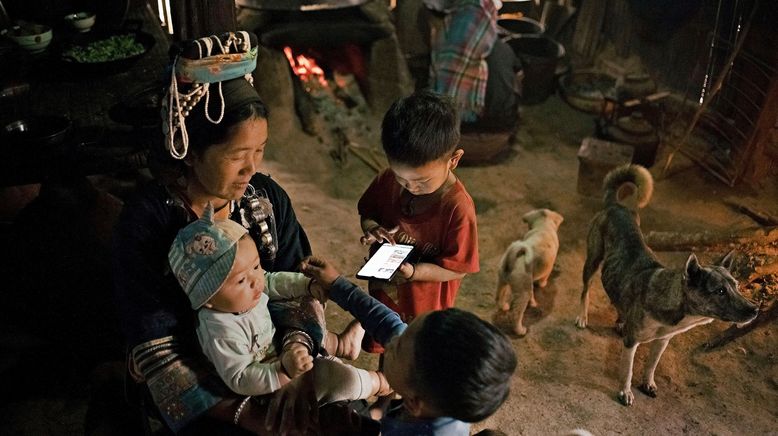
(321, 271)
(296, 360)
(294, 409)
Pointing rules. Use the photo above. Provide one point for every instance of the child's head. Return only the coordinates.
(217, 264)
(420, 135)
(451, 363)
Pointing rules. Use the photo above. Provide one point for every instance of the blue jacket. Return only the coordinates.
(383, 324)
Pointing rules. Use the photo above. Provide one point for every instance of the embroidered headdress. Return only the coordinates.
(201, 68)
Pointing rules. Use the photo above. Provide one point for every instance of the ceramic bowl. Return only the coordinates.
(81, 21)
(32, 37)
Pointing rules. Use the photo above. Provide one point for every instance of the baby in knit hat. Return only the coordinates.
(217, 265)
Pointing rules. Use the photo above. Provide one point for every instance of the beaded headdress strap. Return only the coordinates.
(204, 61)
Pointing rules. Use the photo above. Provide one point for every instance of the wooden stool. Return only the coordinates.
(595, 159)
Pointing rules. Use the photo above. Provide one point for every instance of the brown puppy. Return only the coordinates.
(654, 303)
(528, 260)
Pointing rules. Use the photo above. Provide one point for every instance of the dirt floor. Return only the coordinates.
(566, 379)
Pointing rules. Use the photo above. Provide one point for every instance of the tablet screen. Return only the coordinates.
(385, 262)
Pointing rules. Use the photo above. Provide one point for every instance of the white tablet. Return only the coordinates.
(385, 262)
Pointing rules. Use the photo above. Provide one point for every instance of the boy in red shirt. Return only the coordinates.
(419, 201)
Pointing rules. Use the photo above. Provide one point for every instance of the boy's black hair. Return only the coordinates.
(463, 365)
(420, 128)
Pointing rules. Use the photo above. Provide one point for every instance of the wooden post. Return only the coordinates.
(764, 131)
(197, 18)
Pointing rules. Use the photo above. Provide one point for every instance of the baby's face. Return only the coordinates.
(245, 283)
(425, 179)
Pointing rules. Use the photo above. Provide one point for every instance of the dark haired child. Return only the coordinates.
(419, 201)
(451, 367)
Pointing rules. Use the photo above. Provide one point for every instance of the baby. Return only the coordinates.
(217, 265)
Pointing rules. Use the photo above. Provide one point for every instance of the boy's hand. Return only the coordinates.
(406, 272)
(379, 234)
(296, 360)
(320, 270)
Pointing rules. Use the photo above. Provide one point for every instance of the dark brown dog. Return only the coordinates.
(654, 303)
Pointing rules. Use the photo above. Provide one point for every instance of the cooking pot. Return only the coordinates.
(140, 109)
(111, 66)
(36, 132)
(507, 27)
(523, 7)
(638, 132)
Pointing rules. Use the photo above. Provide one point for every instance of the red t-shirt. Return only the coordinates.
(446, 232)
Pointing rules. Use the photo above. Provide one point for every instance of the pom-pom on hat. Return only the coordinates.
(202, 255)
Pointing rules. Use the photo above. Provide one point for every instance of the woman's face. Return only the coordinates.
(224, 170)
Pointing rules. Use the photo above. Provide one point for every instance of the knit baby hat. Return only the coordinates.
(202, 255)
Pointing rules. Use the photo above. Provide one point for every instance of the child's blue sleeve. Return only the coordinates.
(381, 322)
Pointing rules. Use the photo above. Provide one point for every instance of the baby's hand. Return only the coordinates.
(318, 292)
(320, 270)
(379, 234)
(296, 360)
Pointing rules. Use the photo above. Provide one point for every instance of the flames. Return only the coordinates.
(305, 68)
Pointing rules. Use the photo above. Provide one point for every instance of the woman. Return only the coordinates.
(214, 149)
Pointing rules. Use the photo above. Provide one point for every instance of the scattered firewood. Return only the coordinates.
(756, 241)
(366, 155)
(759, 216)
(364, 158)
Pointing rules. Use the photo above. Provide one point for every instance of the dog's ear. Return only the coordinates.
(530, 216)
(692, 267)
(558, 218)
(728, 260)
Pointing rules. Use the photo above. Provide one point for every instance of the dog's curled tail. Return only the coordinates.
(629, 185)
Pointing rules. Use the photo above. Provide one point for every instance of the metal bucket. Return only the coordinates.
(539, 57)
(507, 27)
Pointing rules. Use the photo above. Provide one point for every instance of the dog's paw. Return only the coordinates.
(520, 331)
(500, 316)
(648, 389)
(626, 398)
(581, 321)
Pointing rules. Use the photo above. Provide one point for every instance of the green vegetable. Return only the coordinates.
(104, 50)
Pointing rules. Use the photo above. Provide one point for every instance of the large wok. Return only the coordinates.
(106, 67)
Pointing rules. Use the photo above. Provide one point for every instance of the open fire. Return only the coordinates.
(305, 68)
(330, 103)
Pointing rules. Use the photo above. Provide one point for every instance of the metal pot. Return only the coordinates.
(140, 109)
(518, 26)
(37, 132)
(638, 132)
(516, 7)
